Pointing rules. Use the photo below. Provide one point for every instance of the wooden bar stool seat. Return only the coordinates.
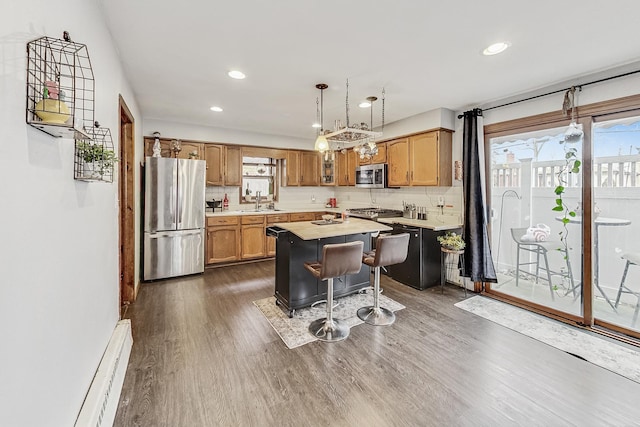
(337, 260)
(390, 249)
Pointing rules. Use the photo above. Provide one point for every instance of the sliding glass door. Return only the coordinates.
(564, 222)
(536, 234)
(616, 224)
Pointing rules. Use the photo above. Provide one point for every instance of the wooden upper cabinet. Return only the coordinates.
(292, 168)
(214, 155)
(233, 165)
(424, 159)
(430, 155)
(309, 168)
(420, 160)
(165, 150)
(381, 157)
(328, 169)
(347, 163)
(190, 150)
(398, 162)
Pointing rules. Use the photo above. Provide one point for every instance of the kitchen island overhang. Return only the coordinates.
(297, 242)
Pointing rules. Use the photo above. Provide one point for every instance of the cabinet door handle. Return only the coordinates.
(411, 175)
(407, 178)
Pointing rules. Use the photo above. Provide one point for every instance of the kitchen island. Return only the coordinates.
(297, 242)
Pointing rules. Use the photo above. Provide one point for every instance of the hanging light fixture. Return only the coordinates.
(369, 148)
(356, 134)
(360, 137)
(321, 141)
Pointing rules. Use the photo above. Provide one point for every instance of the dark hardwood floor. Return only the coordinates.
(204, 355)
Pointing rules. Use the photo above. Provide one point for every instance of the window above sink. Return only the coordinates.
(259, 174)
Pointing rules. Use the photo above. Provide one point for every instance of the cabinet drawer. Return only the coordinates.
(272, 219)
(221, 220)
(253, 219)
(302, 216)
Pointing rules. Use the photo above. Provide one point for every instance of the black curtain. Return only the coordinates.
(478, 264)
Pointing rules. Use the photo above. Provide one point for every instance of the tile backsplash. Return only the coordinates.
(350, 197)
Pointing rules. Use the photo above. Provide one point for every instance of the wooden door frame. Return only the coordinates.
(126, 208)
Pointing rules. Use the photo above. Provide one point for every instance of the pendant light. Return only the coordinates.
(321, 141)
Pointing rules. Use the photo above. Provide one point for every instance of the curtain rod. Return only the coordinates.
(557, 91)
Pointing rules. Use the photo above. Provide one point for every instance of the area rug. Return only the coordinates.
(294, 331)
(606, 354)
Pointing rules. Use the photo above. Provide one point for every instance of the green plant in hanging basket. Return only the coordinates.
(97, 155)
(452, 241)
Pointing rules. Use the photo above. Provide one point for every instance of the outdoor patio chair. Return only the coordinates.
(540, 250)
(633, 258)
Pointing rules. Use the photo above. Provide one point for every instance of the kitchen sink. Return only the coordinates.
(260, 210)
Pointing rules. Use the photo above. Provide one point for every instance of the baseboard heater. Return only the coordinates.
(100, 405)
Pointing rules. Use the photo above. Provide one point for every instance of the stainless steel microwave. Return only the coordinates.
(371, 176)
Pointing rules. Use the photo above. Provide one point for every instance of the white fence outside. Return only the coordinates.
(522, 195)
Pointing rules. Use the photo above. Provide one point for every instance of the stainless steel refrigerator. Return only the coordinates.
(173, 217)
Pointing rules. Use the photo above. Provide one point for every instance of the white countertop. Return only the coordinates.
(432, 224)
(307, 230)
(249, 211)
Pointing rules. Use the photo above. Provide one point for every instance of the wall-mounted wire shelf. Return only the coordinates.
(95, 157)
(60, 87)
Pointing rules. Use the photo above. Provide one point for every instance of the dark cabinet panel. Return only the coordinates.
(421, 269)
(295, 286)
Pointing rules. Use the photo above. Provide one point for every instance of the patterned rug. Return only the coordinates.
(587, 346)
(294, 332)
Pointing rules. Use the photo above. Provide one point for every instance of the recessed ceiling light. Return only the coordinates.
(316, 125)
(364, 104)
(496, 48)
(216, 109)
(235, 74)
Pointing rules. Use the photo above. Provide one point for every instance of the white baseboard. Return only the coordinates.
(100, 405)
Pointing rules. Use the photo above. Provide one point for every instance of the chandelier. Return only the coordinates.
(359, 137)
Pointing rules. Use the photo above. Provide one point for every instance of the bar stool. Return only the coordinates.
(540, 250)
(337, 260)
(390, 249)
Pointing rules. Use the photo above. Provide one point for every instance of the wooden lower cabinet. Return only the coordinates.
(271, 241)
(223, 239)
(252, 238)
(302, 216)
(236, 238)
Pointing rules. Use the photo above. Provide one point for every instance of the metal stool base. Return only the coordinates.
(376, 316)
(329, 331)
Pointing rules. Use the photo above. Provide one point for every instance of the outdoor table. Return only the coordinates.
(600, 221)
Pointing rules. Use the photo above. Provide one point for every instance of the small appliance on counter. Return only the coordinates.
(215, 204)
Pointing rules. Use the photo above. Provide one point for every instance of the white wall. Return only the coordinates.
(59, 297)
(612, 89)
(228, 136)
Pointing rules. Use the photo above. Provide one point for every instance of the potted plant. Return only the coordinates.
(97, 159)
(452, 241)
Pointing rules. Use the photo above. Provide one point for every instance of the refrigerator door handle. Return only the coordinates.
(173, 234)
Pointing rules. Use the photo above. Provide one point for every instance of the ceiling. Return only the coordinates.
(425, 54)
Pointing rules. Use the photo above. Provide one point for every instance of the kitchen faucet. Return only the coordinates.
(257, 201)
